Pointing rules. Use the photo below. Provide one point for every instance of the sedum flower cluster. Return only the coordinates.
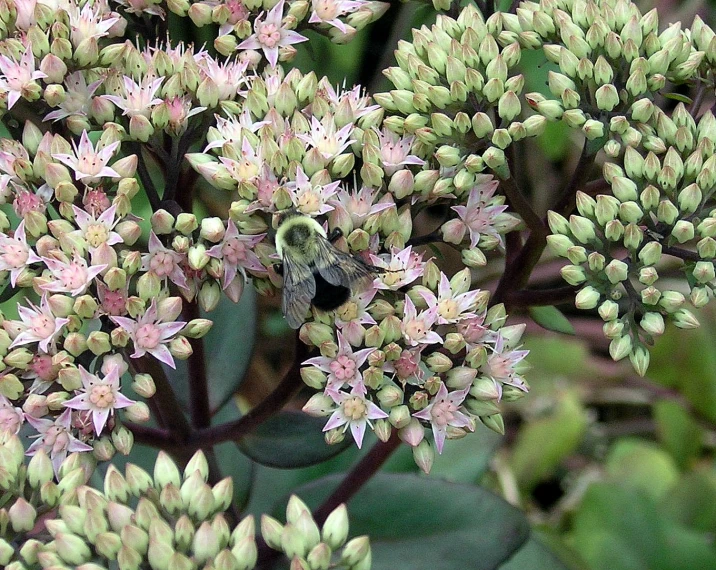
(612, 63)
(419, 351)
(172, 520)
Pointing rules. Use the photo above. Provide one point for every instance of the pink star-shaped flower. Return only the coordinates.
(15, 253)
(269, 35)
(71, 277)
(37, 324)
(343, 368)
(237, 253)
(17, 77)
(354, 412)
(56, 438)
(89, 165)
(417, 327)
(100, 396)
(443, 411)
(163, 262)
(150, 335)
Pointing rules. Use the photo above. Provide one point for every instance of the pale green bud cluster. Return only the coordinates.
(612, 60)
(660, 208)
(455, 84)
(310, 547)
(171, 519)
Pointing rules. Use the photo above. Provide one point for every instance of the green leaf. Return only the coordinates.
(617, 528)
(686, 360)
(552, 319)
(679, 97)
(535, 556)
(542, 444)
(693, 501)
(642, 465)
(289, 440)
(227, 348)
(420, 523)
(678, 432)
(466, 460)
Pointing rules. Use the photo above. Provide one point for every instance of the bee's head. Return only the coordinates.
(283, 215)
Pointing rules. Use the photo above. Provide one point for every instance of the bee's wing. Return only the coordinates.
(339, 268)
(299, 287)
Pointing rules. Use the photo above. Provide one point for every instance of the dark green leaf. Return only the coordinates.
(535, 556)
(678, 97)
(418, 523)
(289, 440)
(552, 319)
(466, 460)
(227, 347)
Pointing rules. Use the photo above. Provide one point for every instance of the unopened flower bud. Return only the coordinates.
(587, 298)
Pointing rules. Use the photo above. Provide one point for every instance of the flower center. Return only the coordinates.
(309, 202)
(268, 35)
(354, 408)
(96, 234)
(348, 311)
(102, 396)
(43, 326)
(448, 309)
(391, 277)
(443, 412)
(234, 251)
(42, 366)
(15, 255)
(161, 264)
(343, 367)
(415, 329)
(326, 9)
(74, 276)
(147, 336)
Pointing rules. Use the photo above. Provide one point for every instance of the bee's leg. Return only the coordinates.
(278, 268)
(337, 233)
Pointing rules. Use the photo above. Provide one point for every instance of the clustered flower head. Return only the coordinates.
(172, 518)
(413, 352)
(659, 166)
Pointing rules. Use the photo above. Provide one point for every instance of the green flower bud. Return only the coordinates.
(399, 416)
(683, 231)
(630, 212)
(620, 348)
(648, 275)
(633, 236)
(608, 310)
(573, 274)
(424, 456)
(652, 323)
(642, 110)
(607, 97)
(606, 209)
(587, 298)
(355, 551)
(582, 228)
(703, 272)
(593, 129)
(640, 360)
(559, 244)
(650, 254)
(616, 271)
(71, 548)
(700, 296)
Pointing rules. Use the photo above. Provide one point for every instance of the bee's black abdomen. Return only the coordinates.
(329, 297)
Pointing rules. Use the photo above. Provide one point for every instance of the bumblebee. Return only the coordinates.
(315, 272)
